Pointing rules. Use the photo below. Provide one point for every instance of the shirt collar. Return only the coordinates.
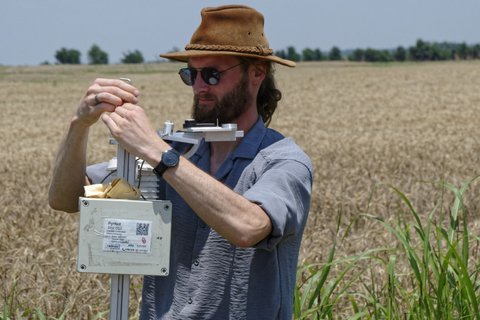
(248, 147)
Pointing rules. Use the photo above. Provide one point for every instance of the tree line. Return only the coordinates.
(421, 51)
(95, 55)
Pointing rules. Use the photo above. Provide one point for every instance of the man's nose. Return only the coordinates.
(199, 83)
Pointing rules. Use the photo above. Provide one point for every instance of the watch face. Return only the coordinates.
(170, 159)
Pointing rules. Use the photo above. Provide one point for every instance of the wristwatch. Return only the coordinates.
(169, 159)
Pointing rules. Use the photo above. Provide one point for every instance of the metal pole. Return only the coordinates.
(120, 283)
(119, 296)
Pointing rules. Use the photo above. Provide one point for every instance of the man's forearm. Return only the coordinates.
(240, 221)
(68, 177)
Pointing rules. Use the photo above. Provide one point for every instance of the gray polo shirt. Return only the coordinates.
(209, 278)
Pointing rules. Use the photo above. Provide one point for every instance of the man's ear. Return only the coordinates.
(258, 72)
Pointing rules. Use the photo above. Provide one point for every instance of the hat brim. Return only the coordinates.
(183, 56)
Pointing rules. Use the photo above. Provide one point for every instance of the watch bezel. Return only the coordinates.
(170, 158)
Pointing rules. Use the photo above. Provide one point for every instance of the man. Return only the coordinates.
(239, 208)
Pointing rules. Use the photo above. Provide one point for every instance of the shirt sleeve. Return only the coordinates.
(99, 173)
(282, 188)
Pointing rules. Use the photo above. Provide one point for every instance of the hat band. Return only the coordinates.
(214, 47)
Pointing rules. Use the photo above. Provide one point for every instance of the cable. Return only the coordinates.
(108, 175)
(140, 174)
(140, 179)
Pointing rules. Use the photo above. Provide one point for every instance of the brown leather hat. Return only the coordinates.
(229, 30)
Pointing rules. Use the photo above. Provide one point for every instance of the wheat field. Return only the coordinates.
(366, 127)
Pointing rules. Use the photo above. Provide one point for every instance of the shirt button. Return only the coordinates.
(189, 301)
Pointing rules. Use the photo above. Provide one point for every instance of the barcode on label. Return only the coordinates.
(142, 229)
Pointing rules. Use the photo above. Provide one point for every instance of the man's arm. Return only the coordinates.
(69, 172)
(240, 221)
(68, 179)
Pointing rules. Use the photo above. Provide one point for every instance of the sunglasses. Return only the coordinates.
(210, 76)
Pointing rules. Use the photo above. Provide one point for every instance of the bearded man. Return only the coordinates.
(239, 207)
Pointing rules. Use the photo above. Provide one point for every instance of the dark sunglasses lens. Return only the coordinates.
(211, 76)
(188, 76)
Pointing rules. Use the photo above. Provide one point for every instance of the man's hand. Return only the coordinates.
(104, 95)
(133, 130)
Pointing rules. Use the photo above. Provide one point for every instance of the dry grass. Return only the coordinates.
(364, 126)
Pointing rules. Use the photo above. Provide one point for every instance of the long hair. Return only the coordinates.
(268, 94)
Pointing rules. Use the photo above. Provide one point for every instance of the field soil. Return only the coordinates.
(366, 127)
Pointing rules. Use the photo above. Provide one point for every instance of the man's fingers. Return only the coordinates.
(118, 118)
(113, 91)
(110, 123)
(120, 111)
(117, 83)
(112, 95)
(104, 97)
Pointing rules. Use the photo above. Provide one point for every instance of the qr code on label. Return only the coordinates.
(142, 229)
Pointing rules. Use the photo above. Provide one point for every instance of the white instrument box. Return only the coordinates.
(124, 236)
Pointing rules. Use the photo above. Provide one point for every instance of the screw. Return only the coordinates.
(166, 207)
(85, 203)
(164, 270)
(83, 267)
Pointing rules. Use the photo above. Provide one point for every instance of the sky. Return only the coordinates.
(31, 31)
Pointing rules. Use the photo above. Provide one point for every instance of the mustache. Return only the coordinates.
(204, 96)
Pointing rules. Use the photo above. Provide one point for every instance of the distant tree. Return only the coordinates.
(372, 55)
(421, 51)
(292, 54)
(68, 56)
(400, 54)
(463, 51)
(133, 57)
(308, 54)
(385, 56)
(318, 54)
(357, 55)
(476, 51)
(437, 52)
(97, 55)
(335, 54)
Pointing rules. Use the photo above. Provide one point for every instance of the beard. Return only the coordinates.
(229, 108)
